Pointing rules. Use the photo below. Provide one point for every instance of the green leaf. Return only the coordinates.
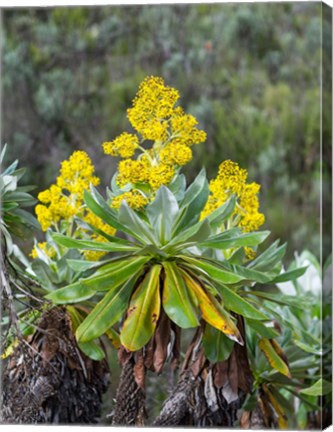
(136, 226)
(247, 274)
(93, 245)
(81, 265)
(107, 312)
(73, 293)
(176, 299)
(162, 213)
(193, 203)
(92, 350)
(229, 240)
(237, 304)
(278, 298)
(216, 345)
(222, 213)
(96, 203)
(319, 388)
(178, 186)
(143, 312)
(290, 275)
(114, 274)
(273, 357)
(269, 258)
(215, 272)
(261, 329)
(190, 236)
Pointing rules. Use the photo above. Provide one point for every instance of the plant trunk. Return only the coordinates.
(208, 394)
(49, 380)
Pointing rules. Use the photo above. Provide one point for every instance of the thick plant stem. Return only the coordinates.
(176, 407)
(130, 400)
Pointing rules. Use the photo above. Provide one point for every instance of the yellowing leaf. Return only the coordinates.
(282, 418)
(212, 311)
(114, 337)
(273, 357)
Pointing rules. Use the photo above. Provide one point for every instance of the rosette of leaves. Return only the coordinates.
(296, 308)
(170, 264)
(14, 220)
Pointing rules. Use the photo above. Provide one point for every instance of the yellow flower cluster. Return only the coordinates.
(176, 154)
(124, 145)
(231, 179)
(153, 103)
(132, 171)
(184, 128)
(135, 199)
(46, 248)
(64, 200)
(155, 118)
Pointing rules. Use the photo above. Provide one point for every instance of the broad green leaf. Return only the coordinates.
(308, 348)
(261, 329)
(190, 236)
(281, 299)
(106, 313)
(216, 345)
(247, 274)
(96, 203)
(273, 357)
(86, 226)
(178, 186)
(319, 388)
(137, 227)
(81, 265)
(222, 213)
(92, 350)
(211, 310)
(176, 299)
(237, 304)
(215, 272)
(289, 275)
(143, 312)
(162, 213)
(193, 203)
(238, 239)
(114, 274)
(269, 258)
(71, 294)
(93, 245)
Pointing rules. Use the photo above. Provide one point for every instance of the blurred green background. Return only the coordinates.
(250, 73)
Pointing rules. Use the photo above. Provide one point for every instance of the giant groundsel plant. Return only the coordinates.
(172, 263)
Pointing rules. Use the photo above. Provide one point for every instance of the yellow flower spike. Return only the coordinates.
(123, 146)
(231, 179)
(154, 101)
(65, 198)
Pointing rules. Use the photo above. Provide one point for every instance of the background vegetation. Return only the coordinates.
(249, 72)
